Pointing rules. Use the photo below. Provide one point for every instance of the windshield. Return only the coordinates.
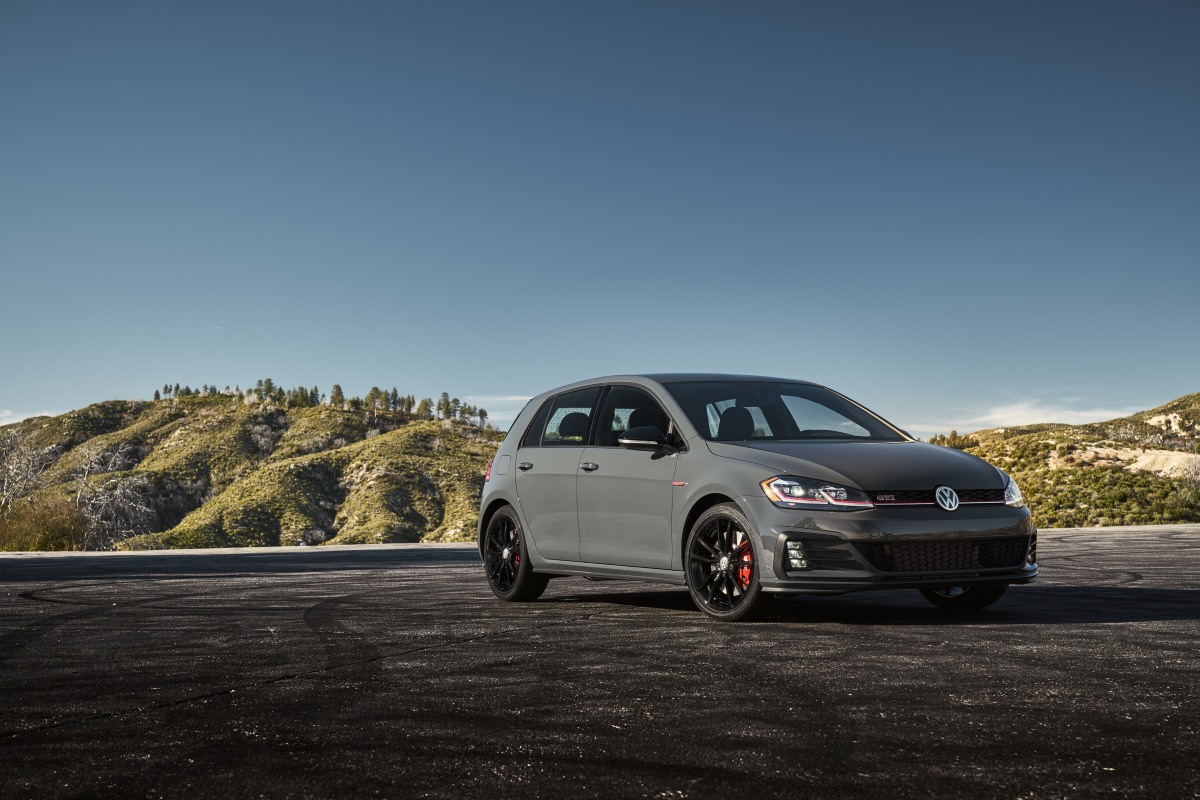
(735, 411)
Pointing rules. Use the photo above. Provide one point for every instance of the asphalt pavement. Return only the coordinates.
(392, 672)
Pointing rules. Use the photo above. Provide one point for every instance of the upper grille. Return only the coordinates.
(906, 497)
(956, 554)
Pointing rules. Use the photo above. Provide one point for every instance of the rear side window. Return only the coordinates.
(570, 418)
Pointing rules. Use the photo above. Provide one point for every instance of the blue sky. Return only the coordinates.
(960, 214)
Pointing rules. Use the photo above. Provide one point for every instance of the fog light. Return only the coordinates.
(796, 556)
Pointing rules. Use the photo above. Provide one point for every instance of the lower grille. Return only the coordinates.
(955, 554)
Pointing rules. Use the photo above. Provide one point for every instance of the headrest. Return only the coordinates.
(648, 418)
(736, 424)
(573, 426)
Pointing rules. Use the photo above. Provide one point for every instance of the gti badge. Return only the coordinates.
(946, 497)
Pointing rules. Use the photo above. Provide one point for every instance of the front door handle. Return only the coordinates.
(525, 466)
(589, 466)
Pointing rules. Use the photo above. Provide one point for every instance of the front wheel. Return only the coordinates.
(971, 597)
(722, 565)
(505, 561)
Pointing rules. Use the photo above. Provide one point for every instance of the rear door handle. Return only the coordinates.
(589, 466)
(525, 466)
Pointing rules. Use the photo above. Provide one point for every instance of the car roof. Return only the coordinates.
(668, 377)
(679, 377)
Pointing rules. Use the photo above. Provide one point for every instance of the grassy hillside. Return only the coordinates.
(1141, 469)
(215, 470)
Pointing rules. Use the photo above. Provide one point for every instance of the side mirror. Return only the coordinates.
(646, 438)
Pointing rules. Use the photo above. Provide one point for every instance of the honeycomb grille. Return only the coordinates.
(959, 554)
(981, 495)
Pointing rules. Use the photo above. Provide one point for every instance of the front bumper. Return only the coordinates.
(894, 548)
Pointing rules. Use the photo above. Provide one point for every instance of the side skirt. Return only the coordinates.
(562, 569)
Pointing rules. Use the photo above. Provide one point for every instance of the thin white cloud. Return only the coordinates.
(9, 417)
(1024, 413)
(502, 408)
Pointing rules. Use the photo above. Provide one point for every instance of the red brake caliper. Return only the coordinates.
(743, 573)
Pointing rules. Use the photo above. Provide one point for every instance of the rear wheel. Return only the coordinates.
(504, 558)
(722, 565)
(970, 597)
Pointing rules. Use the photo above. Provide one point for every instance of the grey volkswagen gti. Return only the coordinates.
(741, 487)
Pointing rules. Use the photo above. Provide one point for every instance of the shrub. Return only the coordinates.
(44, 524)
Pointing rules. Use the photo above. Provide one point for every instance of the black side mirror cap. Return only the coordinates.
(644, 438)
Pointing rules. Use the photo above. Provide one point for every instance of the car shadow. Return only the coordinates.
(1025, 605)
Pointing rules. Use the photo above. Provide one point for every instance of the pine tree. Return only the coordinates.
(157, 396)
(425, 408)
(336, 398)
(373, 399)
(394, 400)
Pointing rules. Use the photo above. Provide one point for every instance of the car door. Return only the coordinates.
(547, 468)
(625, 496)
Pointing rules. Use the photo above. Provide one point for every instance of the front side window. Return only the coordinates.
(570, 418)
(626, 407)
(736, 411)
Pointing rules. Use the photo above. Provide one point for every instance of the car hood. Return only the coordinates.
(869, 465)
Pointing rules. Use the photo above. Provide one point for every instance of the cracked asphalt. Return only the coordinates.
(392, 672)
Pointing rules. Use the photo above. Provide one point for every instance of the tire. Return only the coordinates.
(971, 597)
(509, 573)
(722, 565)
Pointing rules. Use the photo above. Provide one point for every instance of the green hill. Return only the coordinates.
(1137, 470)
(217, 470)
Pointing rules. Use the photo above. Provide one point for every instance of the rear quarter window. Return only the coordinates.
(533, 434)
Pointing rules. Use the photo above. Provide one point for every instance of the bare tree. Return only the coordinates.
(116, 506)
(116, 509)
(1191, 473)
(99, 460)
(21, 467)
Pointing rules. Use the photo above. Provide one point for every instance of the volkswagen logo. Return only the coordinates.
(946, 497)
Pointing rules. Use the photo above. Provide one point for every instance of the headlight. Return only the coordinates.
(1012, 492)
(788, 492)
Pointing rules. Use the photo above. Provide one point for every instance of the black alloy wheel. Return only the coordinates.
(508, 570)
(722, 565)
(970, 597)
